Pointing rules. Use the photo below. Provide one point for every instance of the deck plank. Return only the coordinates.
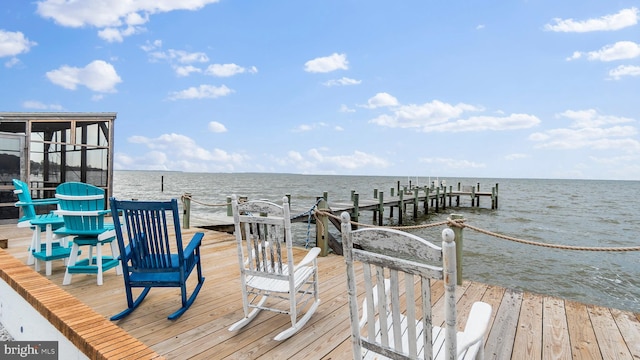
(502, 334)
(610, 340)
(631, 330)
(523, 325)
(583, 339)
(555, 332)
(527, 343)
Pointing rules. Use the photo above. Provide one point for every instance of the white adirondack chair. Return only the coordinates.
(399, 323)
(267, 269)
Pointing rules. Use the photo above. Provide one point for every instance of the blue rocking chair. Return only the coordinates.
(150, 255)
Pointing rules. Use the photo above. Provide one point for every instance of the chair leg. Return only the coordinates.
(90, 255)
(132, 305)
(31, 260)
(248, 317)
(73, 258)
(49, 247)
(99, 262)
(36, 247)
(115, 252)
(186, 303)
(297, 325)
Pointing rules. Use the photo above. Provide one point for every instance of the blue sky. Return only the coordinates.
(519, 89)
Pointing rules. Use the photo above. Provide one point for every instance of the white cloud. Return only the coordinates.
(381, 100)
(589, 129)
(317, 161)
(116, 18)
(358, 159)
(152, 160)
(624, 70)
(303, 128)
(184, 57)
(452, 163)
(173, 55)
(309, 127)
(342, 82)
(486, 123)
(345, 109)
(516, 156)
(618, 51)
(181, 61)
(217, 127)
(201, 92)
(98, 76)
(118, 35)
(623, 19)
(14, 43)
(327, 64)
(178, 152)
(417, 116)
(32, 104)
(12, 62)
(439, 116)
(150, 46)
(621, 50)
(590, 118)
(186, 70)
(226, 70)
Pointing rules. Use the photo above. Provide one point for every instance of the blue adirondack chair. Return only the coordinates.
(152, 254)
(82, 206)
(51, 249)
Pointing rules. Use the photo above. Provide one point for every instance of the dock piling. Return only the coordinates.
(322, 232)
(186, 212)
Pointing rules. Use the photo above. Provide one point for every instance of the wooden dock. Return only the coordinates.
(397, 204)
(523, 325)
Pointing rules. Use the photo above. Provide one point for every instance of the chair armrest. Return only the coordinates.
(111, 233)
(477, 324)
(194, 243)
(37, 202)
(311, 256)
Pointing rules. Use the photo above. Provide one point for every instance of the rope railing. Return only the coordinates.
(462, 224)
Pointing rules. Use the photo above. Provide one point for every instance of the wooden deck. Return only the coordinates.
(524, 325)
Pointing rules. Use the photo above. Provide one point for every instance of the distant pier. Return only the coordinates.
(433, 198)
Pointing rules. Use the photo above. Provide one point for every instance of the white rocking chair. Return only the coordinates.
(267, 269)
(399, 323)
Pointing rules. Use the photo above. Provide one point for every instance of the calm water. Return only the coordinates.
(570, 212)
